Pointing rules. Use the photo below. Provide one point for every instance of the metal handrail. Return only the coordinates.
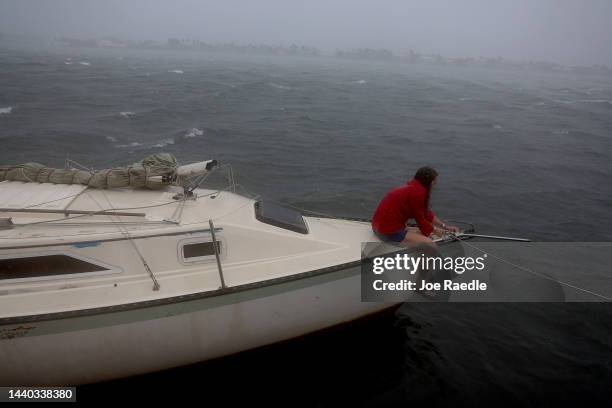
(67, 212)
(216, 246)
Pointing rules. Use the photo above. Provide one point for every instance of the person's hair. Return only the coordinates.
(426, 175)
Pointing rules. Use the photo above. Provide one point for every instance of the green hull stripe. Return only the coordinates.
(167, 310)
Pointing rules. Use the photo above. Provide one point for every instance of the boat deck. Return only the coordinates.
(251, 251)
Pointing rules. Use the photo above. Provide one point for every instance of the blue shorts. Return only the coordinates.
(394, 237)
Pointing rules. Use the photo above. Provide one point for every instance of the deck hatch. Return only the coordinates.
(279, 216)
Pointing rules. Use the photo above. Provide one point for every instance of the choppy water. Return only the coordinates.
(519, 153)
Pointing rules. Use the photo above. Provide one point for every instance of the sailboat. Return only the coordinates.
(113, 273)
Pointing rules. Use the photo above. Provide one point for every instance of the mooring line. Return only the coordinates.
(454, 236)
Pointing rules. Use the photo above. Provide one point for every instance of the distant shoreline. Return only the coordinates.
(360, 54)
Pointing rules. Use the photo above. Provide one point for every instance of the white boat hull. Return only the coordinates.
(99, 347)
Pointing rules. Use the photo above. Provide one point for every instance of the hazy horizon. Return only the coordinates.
(566, 32)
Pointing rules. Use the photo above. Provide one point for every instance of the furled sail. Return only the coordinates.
(154, 171)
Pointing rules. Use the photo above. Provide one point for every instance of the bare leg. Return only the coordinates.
(414, 239)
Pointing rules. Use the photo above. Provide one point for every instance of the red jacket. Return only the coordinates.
(401, 204)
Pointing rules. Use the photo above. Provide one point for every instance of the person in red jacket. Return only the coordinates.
(410, 201)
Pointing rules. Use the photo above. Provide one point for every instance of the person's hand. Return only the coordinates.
(453, 229)
(438, 232)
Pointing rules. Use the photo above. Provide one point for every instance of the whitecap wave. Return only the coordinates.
(176, 71)
(110, 139)
(86, 63)
(594, 101)
(6, 111)
(133, 144)
(467, 98)
(606, 101)
(279, 86)
(126, 114)
(164, 143)
(194, 132)
(497, 126)
(361, 81)
(187, 135)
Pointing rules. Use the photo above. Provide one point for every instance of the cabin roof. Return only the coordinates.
(43, 196)
(26, 198)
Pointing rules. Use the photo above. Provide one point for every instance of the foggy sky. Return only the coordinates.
(563, 31)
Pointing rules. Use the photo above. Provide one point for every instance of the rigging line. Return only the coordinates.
(224, 215)
(126, 233)
(97, 212)
(69, 161)
(24, 174)
(102, 223)
(290, 205)
(52, 201)
(233, 211)
(195, 181)
(336, 217)
(454, 236)
(178, 211)
(312, 212)
(114, 209)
